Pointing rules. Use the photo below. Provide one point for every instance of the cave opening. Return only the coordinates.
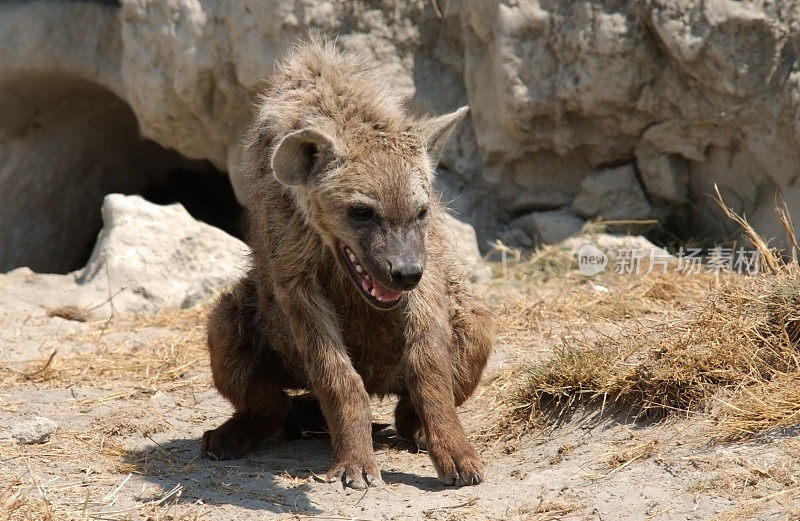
(65, 143)
(204, 191)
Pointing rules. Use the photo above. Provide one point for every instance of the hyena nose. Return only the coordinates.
(406, 274)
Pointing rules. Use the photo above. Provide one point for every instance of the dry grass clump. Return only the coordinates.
(539, 265)
(742, 339)
(76, 313)
(549, 261)
(760, 408)
(731, 351)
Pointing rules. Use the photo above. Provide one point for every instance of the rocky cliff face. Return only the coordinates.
(622, 109)
(682, 93)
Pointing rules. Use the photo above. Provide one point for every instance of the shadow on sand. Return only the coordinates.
(252, 482)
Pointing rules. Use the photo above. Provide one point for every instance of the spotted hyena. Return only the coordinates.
(355, 288)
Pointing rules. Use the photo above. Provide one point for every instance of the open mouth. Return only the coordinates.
(376, 294)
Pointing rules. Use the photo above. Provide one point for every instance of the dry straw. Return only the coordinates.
(169, 358)
(726, 346)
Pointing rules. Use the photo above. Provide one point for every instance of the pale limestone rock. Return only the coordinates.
(147, 258)
(151, 257)
(614, 193)
(538, 228)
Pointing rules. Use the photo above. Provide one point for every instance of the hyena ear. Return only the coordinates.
(297, 156)
(437, 130)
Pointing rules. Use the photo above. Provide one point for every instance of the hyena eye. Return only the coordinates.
(422, 214)
(361, 212)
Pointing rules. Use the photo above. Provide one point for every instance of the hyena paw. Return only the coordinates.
(216, 445)
(458, 467)
(231, 440)
(356, 473)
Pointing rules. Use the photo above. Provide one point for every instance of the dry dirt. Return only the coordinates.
(132, 395)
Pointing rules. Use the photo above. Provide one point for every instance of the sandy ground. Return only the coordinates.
(131, 397)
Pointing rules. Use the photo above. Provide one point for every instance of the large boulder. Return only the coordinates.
(150, 257)
(147, 258)
(691, 92)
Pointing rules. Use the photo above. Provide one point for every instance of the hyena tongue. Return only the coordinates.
(383, 293)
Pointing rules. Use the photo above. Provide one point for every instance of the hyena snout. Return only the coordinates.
(403, 258)
(405, 272)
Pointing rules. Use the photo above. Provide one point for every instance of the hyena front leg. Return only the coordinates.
(342, 397)
(470, 346)
(430, 379)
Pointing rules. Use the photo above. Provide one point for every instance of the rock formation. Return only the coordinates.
(659, 98)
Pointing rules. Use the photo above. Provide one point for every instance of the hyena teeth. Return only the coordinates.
(373, 292)
(352, 257)
(359, 268)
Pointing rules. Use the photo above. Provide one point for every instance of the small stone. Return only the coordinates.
(548, 227)
(665, 176)
(33, 431)
(614, 193)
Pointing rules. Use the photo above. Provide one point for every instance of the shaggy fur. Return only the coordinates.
(333, 161)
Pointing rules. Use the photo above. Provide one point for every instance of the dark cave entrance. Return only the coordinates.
(65, 143)
(204, 191)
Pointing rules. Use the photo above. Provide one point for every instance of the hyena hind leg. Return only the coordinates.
(305, 416)
(247, 373)
(408, 424)
(306, 419)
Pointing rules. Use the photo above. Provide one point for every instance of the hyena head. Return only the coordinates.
(369, 199)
